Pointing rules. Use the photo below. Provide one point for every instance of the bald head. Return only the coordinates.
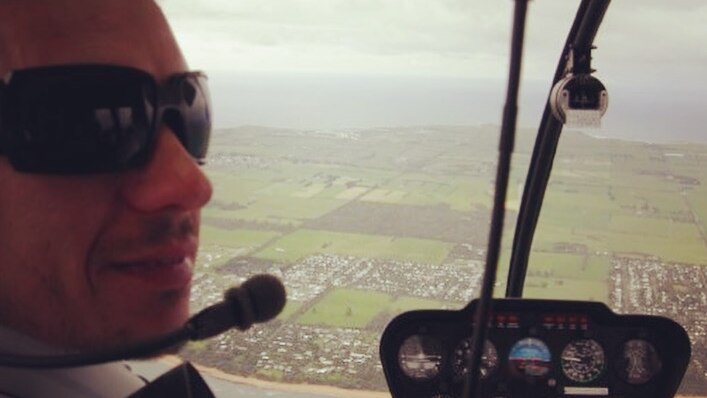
(103, 259)
(55, 32)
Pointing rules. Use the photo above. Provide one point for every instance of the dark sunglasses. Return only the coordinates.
(87, 119)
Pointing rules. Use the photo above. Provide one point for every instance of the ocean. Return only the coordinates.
(652, 112)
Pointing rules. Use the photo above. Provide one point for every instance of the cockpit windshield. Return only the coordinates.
(354, 157)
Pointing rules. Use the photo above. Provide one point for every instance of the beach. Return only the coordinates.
(228, 385)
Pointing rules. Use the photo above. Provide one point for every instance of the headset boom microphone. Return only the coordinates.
(259, 299)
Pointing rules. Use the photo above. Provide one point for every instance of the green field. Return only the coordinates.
(346, 308)
(623, 219)
(554, 275)
(697, 199)
(356, 222)
(462, 194)
(563, 289)
(302, 243)
(412, 194)
(291, 307)
(235, 238)
(406, 303)
(356, 308)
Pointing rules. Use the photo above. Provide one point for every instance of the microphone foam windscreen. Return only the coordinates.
(267, 296)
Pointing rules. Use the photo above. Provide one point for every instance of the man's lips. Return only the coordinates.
(164, 272)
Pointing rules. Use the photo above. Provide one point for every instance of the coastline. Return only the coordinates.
(278, 386)
(338, 392)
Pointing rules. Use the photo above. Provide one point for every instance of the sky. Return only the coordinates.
(335, 63)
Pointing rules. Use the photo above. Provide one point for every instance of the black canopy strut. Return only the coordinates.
(578, 44)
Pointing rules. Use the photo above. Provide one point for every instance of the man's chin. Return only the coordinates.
(165, 322)
(138, 341)
(131, 320)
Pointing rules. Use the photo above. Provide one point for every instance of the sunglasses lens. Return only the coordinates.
(101, 122)
(99, 118)
(197, 115)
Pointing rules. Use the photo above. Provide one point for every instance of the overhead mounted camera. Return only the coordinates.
(579, 99)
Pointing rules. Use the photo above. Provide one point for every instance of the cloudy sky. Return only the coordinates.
(649, 50)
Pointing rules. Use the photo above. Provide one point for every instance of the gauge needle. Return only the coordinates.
(573, 359)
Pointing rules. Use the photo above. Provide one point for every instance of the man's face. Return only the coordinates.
(96, 261)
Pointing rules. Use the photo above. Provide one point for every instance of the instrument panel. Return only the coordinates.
(535, 348)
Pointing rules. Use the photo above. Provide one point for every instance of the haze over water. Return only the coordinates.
(331, 101)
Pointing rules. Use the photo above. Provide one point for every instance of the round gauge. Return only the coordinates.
(583, 360)
(462, 356)
(640, 362)
(529, 357)
(420, 357)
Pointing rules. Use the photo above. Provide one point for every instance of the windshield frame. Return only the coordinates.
(580, 38)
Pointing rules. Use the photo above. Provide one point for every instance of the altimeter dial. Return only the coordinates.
(583, 360)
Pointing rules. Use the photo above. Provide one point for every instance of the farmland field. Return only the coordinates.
(301, 243)
(357, 308)
(362, 225)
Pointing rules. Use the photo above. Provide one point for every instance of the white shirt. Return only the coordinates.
(111, 380)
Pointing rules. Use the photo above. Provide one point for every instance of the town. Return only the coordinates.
(362, 225)
(294, 352)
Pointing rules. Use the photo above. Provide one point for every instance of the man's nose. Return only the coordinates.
(171, 179)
